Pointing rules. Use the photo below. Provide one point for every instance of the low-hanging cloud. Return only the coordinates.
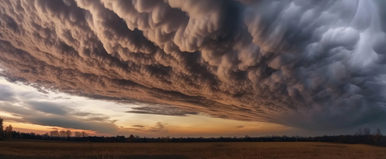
(48, 107)
(7, 93)
(302, 63)
(157, 109)
(66, 117)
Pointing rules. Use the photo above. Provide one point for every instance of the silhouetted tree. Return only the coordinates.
(362, 135)
(377, 136)
(1, 129)
(33, 135)
(63, 134)
(84, 134)
(359, 132)
(166, 139)
(16, 135)
(378, 132)
(8, 132)
(131, 138)
(54, 133)
(366, 131)
(46, 136)
(68, 133)
(78, 134)
(121, 138)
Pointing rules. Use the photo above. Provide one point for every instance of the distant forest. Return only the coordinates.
(362, 136)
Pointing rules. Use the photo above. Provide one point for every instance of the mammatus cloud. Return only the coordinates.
(294, 62)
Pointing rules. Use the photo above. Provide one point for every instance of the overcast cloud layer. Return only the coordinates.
(305, 63)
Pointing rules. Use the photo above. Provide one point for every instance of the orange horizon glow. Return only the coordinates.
(39, 129)
(193, 125)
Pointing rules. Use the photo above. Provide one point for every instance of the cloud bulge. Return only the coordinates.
(306, 64)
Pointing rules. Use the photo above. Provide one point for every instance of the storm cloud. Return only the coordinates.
(157, 109)
(304, 63)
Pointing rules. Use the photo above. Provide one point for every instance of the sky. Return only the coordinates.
(193, 67)
(29, 109)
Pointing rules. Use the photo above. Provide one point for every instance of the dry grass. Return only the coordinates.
(267, 150)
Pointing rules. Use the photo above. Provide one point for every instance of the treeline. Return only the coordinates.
(371, 139)
(362, 136)
(66, 134)
(7, 133)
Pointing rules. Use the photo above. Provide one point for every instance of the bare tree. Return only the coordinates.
(378, 132)
(367, 131)
(1, 129)
(84, 134)
(54, 133)
(377, 135)
(78, 134)
(359, 132)
(69, 133)
(46, 135)
(63, 134)
(8, 131)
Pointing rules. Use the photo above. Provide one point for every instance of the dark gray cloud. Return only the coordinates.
(60, 97)
(48, 107)
(7, 94)
(159, 128)
(49, 114)
(161, 110)
(308, 64)
(15, 110)
(70, 122)
(104, 118)
(138, 126)
(91, 116)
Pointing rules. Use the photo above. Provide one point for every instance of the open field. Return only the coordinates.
(245, 150)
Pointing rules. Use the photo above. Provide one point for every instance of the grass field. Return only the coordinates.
(255, 150)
